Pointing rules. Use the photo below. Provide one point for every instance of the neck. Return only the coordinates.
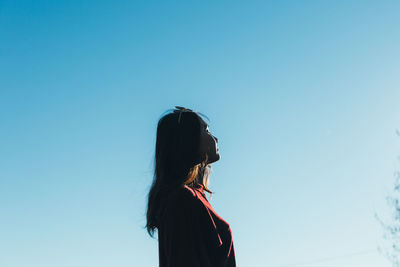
(200, 180)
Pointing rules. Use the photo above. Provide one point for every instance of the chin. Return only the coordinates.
(215, 158)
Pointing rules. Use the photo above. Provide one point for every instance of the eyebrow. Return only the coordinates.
(204, 123)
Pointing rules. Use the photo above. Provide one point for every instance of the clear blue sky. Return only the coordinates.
(302, 95)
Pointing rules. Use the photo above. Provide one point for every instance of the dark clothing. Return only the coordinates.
(192, 234)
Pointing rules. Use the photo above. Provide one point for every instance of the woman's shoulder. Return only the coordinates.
(187, 193)
(183, 194)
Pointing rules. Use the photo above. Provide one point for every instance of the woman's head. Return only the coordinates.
(208, 143)
(184, 151)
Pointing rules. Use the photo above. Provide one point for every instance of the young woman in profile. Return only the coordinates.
(190, 232)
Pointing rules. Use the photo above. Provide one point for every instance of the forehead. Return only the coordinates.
(202, 122)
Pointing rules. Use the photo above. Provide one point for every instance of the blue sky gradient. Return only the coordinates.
(302, 95)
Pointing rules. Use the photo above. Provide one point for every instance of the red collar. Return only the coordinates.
(199, 187)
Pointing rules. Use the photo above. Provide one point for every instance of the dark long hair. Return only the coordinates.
(177, 160)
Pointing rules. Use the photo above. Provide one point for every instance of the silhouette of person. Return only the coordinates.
(190, 232)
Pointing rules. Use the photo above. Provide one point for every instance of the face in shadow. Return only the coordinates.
(208, 143)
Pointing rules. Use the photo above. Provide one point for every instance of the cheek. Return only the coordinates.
(211, 142)
(204, 143)
(207, 143)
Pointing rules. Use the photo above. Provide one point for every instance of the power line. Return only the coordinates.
(370, 251)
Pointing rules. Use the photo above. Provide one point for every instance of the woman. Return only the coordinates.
(190, 232)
